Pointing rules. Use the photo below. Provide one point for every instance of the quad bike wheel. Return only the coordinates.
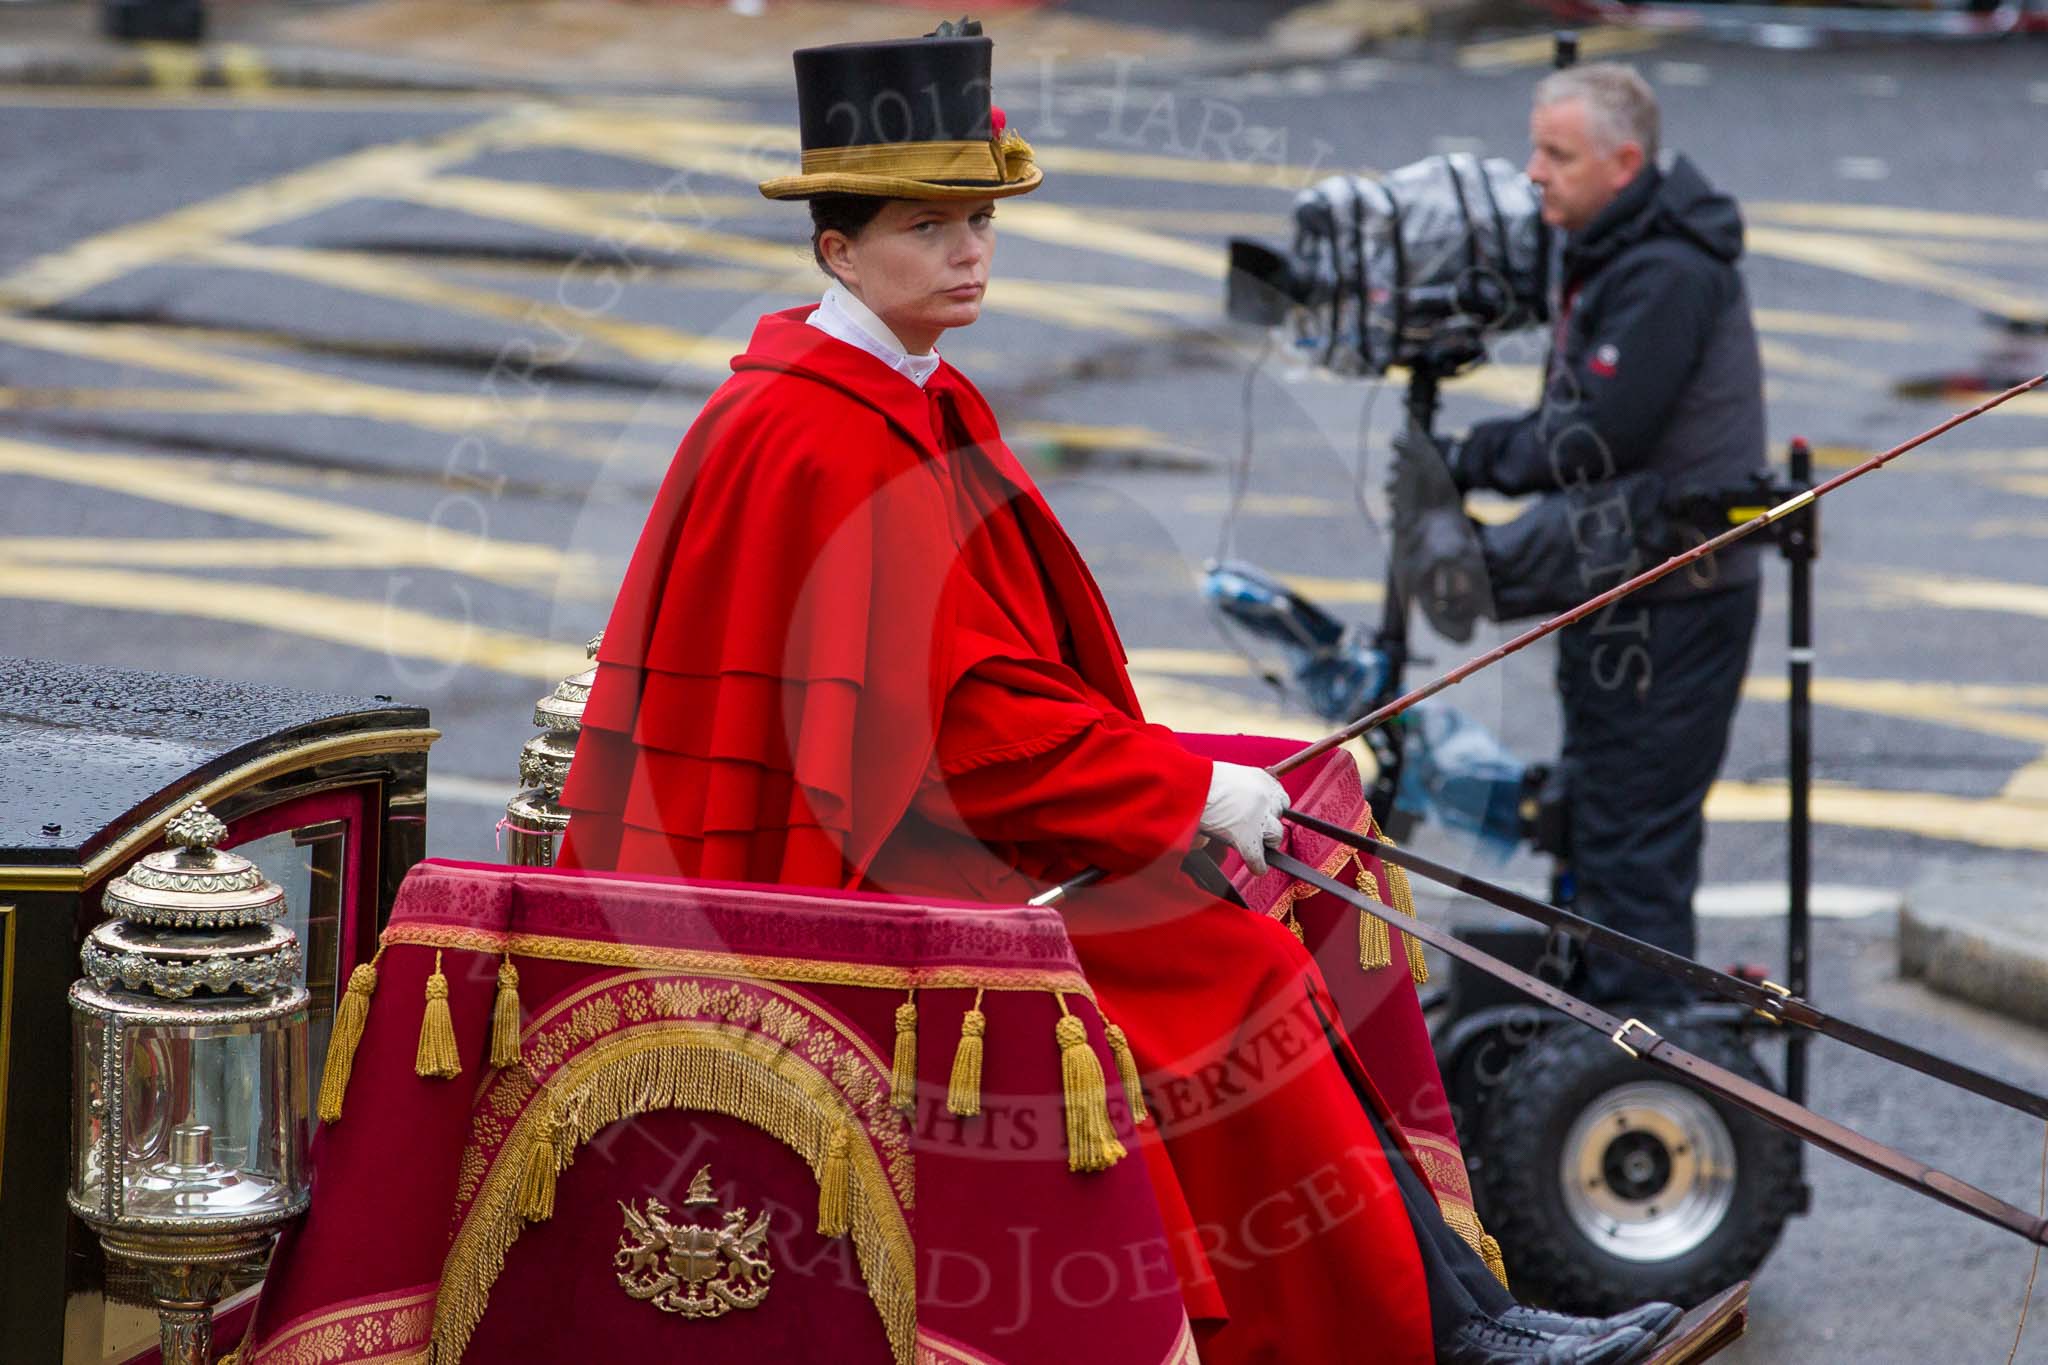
(1609, 1184)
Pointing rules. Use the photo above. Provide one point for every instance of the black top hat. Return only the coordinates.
(905, 120)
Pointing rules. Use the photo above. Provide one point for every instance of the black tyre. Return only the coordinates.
(1607, 1183)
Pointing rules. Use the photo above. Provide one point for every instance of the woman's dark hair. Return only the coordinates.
(847, 213)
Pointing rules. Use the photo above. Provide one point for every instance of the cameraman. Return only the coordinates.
(1653, 389)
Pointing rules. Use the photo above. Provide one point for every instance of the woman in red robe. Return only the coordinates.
(855, 648)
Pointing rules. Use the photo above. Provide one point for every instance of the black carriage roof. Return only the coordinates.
(82, 747)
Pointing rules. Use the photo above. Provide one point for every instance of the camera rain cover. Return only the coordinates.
(1384, 265)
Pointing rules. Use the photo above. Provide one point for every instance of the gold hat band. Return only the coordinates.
(970, 160)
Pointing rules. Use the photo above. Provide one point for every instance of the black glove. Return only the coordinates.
(1438, 564)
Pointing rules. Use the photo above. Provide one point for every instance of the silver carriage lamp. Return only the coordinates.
(190, 1096)
(534, 817)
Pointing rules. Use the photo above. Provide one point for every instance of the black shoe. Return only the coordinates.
(1488, 1341)
(1654, 1318)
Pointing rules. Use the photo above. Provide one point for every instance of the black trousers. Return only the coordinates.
(1460, 1286)
(1648, 692)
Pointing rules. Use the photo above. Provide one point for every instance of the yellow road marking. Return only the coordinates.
(172, 66)
(283, 388)
(1796, 322)
(1190, 707)
(2029, 784)
(378, 627)
(1885, 219)
(1983, 708)
(1890, 265)
(1988, 822)
(1272, 505)
(1965, 594)
(243, 68)
(1500, 54)
(1341, 591)
(198, 486)
(1063, 226)
(83, 265)
(1780, 358)
(2032, 485)
(364, 273)
(251, 553)
(1084, 436)
(203, 100)
(1198, 663)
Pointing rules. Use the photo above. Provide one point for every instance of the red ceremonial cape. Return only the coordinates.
(799, 610)
(818, 594)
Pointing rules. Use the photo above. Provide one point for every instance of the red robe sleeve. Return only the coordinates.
(1030, 757)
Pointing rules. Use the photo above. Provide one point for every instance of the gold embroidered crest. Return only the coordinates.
(689, 1268)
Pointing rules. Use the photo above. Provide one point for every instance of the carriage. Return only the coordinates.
(558, 1112)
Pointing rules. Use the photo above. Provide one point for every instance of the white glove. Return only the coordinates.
(1243, 811)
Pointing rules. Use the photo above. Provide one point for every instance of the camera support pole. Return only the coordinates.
(1800, 543)
(1391, 640)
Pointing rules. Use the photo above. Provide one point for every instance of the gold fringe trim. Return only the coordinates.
(739, 966)
(718, 1068)
(1127, 1072)
(1463, 1219)
(903, 1075)
(536, 1201)
(437, 1057)
(835, 1195)
(1375, 944)
(351, 1017)
(1091, 1138)
(505, 1016)
(963, 1093)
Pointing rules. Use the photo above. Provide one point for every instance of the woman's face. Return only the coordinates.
(921, 265)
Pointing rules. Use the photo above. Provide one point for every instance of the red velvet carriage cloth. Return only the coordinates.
(670, 1027)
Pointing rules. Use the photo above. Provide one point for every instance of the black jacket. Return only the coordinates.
(1654, 389)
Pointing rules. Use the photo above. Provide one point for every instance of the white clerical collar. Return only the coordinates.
(839, 314)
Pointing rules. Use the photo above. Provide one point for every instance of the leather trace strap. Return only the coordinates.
(1640, 1040)
(1770, 1000)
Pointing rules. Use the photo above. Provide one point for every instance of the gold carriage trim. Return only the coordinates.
(695, 961)
(671, 1065)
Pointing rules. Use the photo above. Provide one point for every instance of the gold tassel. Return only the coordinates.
(903, 1077)
(351, 1017)
(1404, 901)
(835, 1185)
(1294, 925)
(1091, 1139)
(505, 1016)
(536, 1198)
(1127, 1072)
(1489, 1252)
(437, 1056)
(963, 1095)
(1375, 946)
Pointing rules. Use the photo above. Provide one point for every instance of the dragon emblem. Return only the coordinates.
(697, 1270)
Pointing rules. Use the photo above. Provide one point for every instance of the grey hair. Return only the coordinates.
(1619, 103)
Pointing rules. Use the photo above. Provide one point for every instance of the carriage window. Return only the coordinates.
(311, 864)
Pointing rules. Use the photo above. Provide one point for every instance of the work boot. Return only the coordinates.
(1654, 1318)
(1488, 1341)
